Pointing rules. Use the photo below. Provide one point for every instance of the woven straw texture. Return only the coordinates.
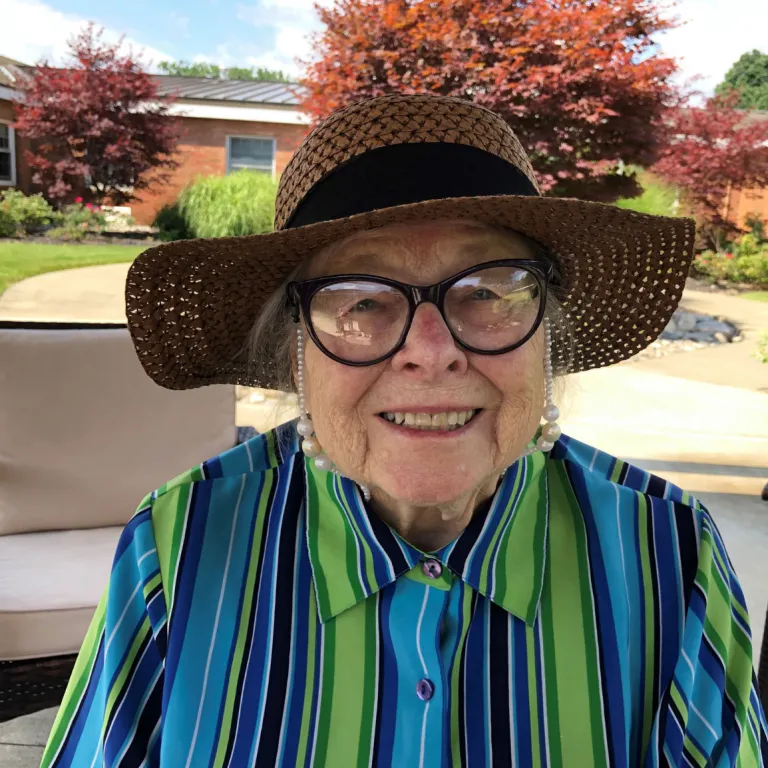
(192, 304)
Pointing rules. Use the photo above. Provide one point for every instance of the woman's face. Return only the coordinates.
(429, 374)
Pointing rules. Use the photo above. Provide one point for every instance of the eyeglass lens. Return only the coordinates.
(361, 320)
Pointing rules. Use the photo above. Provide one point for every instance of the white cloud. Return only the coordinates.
(33, 31)
(715, 34)
(293, 21)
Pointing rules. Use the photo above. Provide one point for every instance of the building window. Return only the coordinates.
(7, 155)
(250, 153)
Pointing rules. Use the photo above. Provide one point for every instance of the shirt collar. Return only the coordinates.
(501, 555)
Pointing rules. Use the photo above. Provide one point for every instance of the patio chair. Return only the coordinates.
(84, 436)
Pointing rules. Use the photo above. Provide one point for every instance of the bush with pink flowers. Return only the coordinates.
(79, 220)
(745, 260)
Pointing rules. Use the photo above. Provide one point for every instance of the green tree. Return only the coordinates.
(214, 71)
(750, 76)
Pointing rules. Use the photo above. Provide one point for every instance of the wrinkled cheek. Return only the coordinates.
(518, 419)
(346, 441)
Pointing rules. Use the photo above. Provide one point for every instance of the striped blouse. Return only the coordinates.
(256, 615)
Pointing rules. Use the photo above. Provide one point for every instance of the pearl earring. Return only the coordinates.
(310, 445)
(551, 431)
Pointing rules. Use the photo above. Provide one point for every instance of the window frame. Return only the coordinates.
(12, 152)
(228, 170)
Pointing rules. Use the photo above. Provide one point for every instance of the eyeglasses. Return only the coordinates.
(490, 309)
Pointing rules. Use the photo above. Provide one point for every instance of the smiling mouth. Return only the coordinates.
(431, 422)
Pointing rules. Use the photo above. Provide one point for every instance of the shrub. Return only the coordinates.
(7, 224)
(78, 221)
(657, 198)
(242, 203)
(745, 261)
(762, 347)
(28, 212)
(756, 226)
(171, 224)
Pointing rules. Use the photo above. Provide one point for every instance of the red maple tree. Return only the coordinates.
(98, 127)
(581, 83)
(710, 150)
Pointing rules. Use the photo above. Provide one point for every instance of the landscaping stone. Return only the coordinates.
(695, 327)
(687, 331)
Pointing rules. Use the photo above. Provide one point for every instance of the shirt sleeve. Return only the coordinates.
(710, 714)
(111, 711)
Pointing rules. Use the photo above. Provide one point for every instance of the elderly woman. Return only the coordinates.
(417, 572)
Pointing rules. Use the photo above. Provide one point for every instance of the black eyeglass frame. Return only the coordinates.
(300, 295)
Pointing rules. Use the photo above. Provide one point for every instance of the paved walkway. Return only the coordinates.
(729, 364)
(87, 294)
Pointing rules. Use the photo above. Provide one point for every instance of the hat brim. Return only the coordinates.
(192, 304)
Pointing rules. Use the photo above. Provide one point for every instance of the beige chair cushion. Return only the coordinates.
(85, 434)
(50, 585)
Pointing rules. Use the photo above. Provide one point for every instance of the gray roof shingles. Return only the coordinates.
(251, 91)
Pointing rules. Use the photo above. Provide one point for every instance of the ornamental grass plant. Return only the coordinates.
(241, 203)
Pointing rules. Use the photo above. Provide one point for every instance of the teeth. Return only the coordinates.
(435, 421)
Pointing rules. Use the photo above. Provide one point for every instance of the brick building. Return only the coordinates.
(225, 125)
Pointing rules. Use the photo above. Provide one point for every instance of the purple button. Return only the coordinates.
(432, 568)
(425, 689)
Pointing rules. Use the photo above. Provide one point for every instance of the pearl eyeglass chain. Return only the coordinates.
(311, 447)
(551, 431)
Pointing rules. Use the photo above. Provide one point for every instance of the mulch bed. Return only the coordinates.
(730, 289)
(106, 238)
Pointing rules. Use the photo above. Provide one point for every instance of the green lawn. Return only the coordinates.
(21, 260)
(756, 295)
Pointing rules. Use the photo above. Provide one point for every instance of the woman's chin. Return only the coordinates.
(428, 486)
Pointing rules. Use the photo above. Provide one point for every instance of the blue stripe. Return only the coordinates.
(521, 736)
(611, 617)
(303, 594)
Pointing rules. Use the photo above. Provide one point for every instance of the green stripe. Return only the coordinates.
(520, 564)
(531, 640)
(326, 694)
(78, 681)
(366, 549)
(369, 680)
(350, 548)
(169, 516)
(307, 713)
(126, 670)
(238, 655)
(694, 752)
(466, 615)
(649, 640)
(499, 589)
(313, 526)
(272, 449)
(346, 727)
(566, 660)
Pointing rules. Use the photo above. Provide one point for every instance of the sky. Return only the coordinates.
(275, 33)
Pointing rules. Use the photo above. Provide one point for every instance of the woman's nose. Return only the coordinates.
(430, 350)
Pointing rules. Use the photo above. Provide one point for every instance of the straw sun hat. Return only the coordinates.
(191, 304)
